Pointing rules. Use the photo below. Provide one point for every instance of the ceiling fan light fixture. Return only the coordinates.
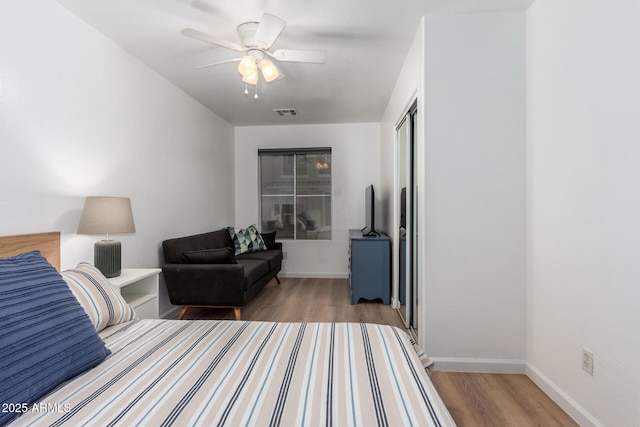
(251, 77)
(247, 65)
(269, 70)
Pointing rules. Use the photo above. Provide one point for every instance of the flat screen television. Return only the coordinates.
(369, 209)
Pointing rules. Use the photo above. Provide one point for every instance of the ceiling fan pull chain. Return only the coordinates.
(256, 95)
(246, 89)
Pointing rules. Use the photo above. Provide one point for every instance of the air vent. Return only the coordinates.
(285, 111)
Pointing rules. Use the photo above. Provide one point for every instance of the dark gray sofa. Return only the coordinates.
(232, 281)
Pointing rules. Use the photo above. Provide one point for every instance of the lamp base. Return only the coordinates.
(107, 257)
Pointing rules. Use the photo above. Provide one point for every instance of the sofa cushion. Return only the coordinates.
(246, 239)
(210, 256)
(102, 302)
(253, 270)
(45, 335)
(173, 249)
(273, 257)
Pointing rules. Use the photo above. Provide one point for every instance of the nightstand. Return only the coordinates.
(139, 287)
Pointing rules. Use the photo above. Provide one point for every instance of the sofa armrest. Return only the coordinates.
(205, 284)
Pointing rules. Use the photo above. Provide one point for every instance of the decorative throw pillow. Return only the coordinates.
(45, 336)
(210, 256)
(269, 239)
(246, 240)
(102, 302)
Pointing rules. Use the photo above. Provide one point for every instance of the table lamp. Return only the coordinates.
(107, 215)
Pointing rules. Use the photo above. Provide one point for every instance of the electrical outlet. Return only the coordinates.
(587, 361)
(284, 255)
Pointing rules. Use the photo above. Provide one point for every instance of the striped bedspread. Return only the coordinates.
(235, 373)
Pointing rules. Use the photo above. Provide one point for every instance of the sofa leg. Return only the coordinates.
(183, 312)
(236, 311)
(277, 279)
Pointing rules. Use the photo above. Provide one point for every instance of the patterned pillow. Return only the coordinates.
(246, 240)
(46, 337)
(102, 302)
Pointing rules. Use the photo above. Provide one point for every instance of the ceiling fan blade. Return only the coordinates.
(268, 31)
(198, 35)
(200, 67)
(293, 55)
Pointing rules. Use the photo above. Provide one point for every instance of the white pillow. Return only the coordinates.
(102, 302)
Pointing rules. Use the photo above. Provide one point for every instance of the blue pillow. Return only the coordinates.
(46, 337)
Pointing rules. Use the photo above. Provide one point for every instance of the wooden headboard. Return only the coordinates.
(47, 243)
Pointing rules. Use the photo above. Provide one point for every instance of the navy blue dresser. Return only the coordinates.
(369, 267)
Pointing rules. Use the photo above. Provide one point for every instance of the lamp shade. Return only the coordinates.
(106, 215)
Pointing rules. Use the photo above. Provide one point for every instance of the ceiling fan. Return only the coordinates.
(256, 39)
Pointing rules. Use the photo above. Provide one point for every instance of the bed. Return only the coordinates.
(207, 372)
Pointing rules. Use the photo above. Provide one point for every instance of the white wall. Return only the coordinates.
(583, 104)
(355, 164)
(472, 207)
(79, 116)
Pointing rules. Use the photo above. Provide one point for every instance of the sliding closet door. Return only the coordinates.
(402, 135)
(415, 300)
(406, 137)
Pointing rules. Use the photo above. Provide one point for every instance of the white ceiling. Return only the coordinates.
(366, 43)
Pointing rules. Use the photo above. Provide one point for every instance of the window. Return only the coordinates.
(295, 193)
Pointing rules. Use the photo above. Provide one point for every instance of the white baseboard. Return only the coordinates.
(295, 275)
(562, 399)
(489, 366)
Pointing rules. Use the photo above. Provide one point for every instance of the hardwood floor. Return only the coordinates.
(497, 400)
(473, 399)
(306, 300)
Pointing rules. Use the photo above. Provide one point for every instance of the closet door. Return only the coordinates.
(406, 137)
